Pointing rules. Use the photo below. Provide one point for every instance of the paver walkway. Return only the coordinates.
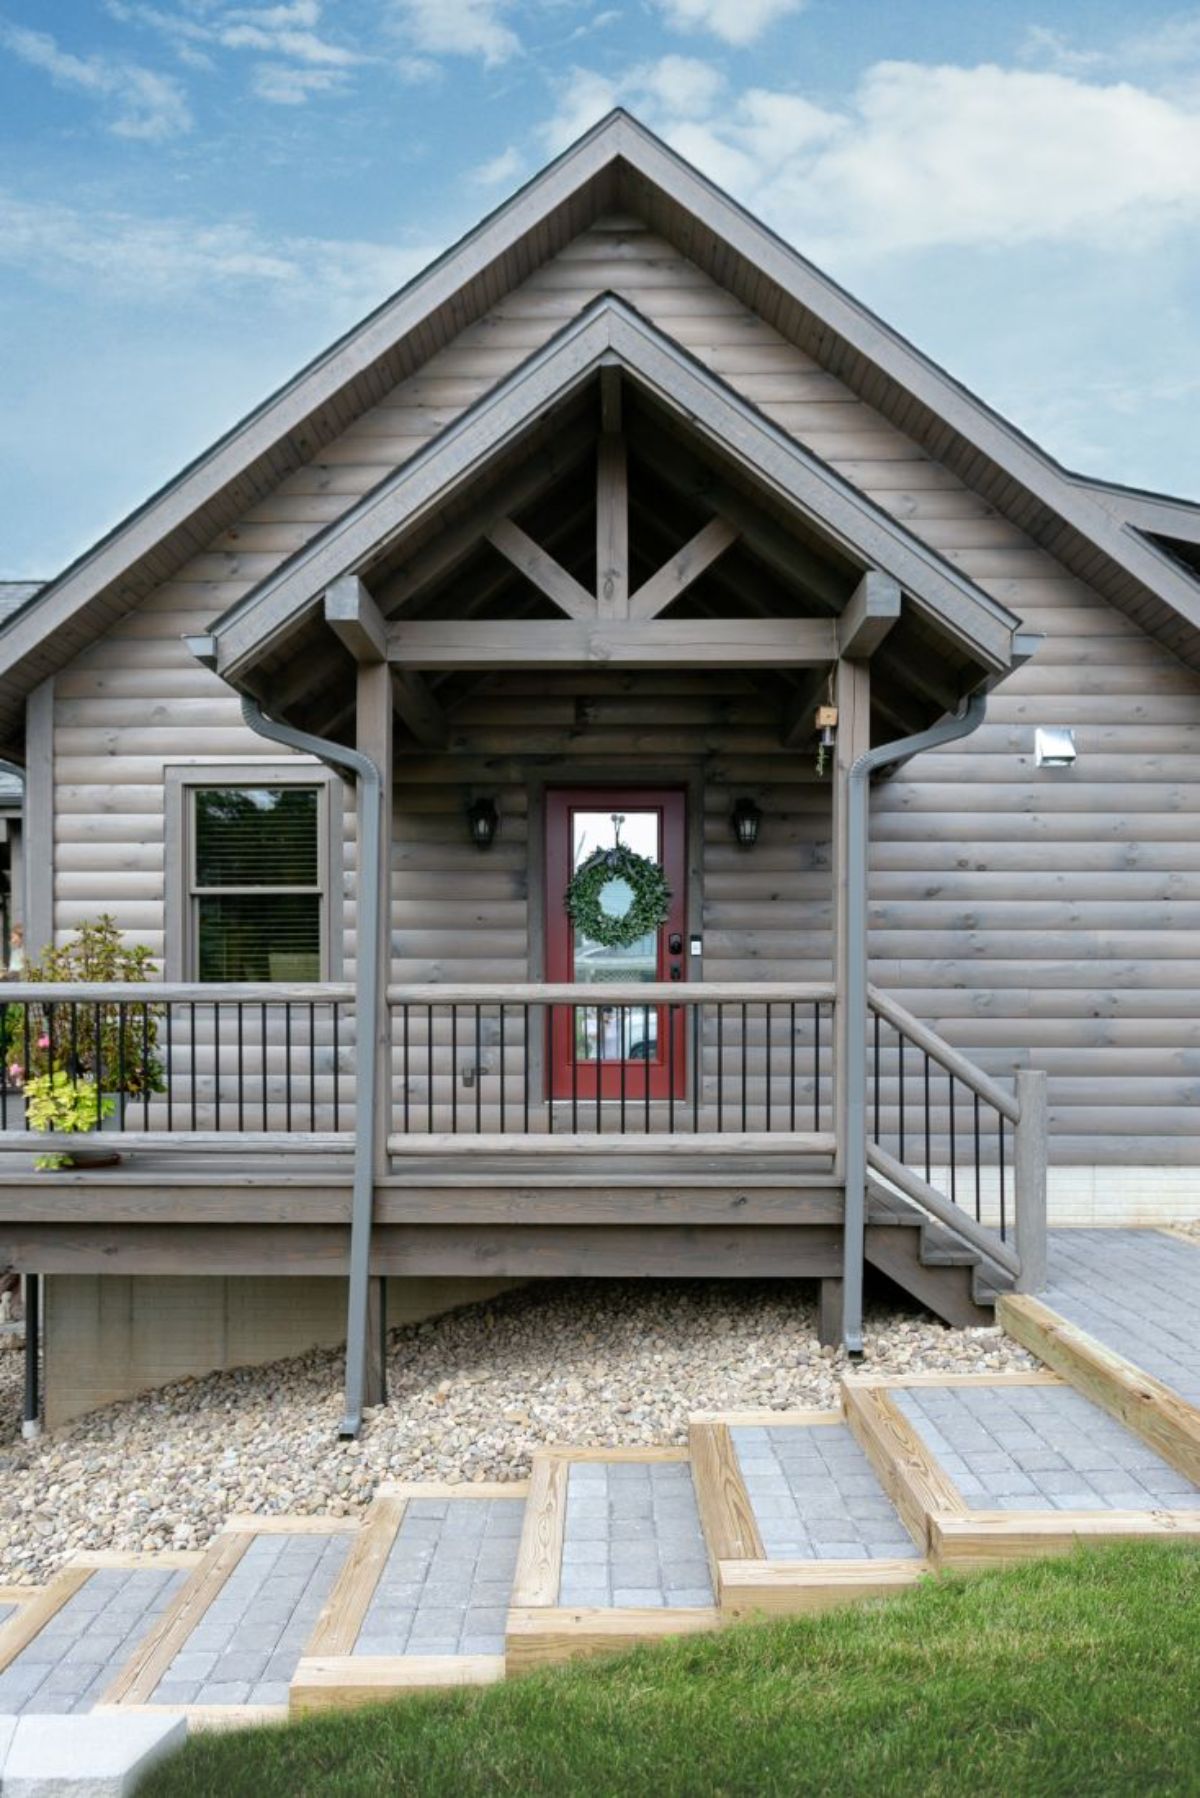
(816, 1496)
(1137, 1292)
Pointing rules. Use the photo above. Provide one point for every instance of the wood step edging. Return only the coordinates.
(1166, 1422)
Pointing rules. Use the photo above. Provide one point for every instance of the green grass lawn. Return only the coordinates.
(1078, 1676)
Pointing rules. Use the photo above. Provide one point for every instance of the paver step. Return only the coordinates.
(422, 1600)
(227, 1646)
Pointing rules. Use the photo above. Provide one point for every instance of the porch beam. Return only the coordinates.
(540, 567)
(634, 643)
(355, 619)
(684, 567)
(416, 707)
(873, 609)
(612, 525)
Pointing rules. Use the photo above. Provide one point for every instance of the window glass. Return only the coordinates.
(256, 890)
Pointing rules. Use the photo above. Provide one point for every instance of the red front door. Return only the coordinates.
(629, 1053)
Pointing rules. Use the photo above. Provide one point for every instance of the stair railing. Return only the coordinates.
(956, 1143)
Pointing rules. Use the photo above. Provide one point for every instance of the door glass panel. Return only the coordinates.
(615, 1033)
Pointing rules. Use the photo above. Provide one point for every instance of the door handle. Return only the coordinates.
(676, 971)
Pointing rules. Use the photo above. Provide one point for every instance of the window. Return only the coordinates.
(257, 882)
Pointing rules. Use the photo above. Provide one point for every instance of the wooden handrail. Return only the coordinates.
(953, 1216)
(627, 993)
(161, 992)
(940, 1051)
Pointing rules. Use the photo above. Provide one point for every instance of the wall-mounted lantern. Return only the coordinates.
(484, 821)
(744, 821)
(1054, 746)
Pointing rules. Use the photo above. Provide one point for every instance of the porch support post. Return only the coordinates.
(852, 696)
(374, 739)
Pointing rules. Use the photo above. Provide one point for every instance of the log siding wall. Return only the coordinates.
(1035, 917)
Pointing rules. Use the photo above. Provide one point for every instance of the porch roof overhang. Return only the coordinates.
(725, 428)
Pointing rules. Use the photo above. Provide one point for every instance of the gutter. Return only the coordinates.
(366, 983)
(962, 723)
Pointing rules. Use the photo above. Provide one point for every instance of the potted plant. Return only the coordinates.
(79, 1062)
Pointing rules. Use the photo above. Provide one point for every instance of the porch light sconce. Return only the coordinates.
(484, 821)
(744, 821)
(1054, 747)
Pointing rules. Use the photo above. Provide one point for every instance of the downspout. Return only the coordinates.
(961, 724)
(366, 988)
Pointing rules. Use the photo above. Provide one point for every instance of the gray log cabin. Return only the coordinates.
(567, 542)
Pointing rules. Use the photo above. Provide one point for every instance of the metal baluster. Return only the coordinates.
(928, 1108)
(145, 1062)
(334, 1015)
(169, 1020)
(877, 1074)
(900, 1046)
(696, 1020)
(552, 1018)
(953, 1150)
(287, 1071)
(99, 1055)
(406, 1032)
(720, 1067)
(525, 1066)
(768, 1012)
(573, 1047)
(454, 1070)
(672, 1020)
(1000, 1120)
(217, 1066)
(599, 1069)
(503, 1074)
(429, 1069)
(646, 1063)
(192, 1027)
(241, 1067)
(312, 1062)
(745, 1060)
(121, 1082)
(478, 1069)
(622, 1050)
(262, 1021)
(792, 1066)
(978, 1169)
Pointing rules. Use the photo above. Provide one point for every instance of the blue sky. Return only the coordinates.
(197, 196)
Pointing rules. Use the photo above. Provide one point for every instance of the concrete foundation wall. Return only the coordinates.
(109, 1336)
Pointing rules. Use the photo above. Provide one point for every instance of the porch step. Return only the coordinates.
(955, 1281)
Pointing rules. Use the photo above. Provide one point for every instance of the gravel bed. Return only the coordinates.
(472, 1395)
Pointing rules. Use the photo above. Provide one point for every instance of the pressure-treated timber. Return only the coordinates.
(726, 1513)
(31, 1618)
(539, 1556)
(338, 1626)
(139, 1678)
(346, 1682)
(751, 1589)
(718, 643)
(542, 1637)
(1142, 1403)
(998, 1538)
(907, 1472)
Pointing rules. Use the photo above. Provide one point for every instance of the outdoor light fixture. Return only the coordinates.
(484, 820)
(1053, 746)
(744, 821)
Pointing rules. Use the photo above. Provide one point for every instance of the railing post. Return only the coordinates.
(1029, 1175)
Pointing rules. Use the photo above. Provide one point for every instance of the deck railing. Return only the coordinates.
(229, 1066)
(952, 1140)
(554, 1067)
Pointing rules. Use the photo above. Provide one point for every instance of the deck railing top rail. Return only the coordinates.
(659, 992)
(164, 992)
(922, 1037)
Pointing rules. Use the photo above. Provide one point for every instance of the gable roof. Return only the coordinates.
(611, 332)
(616, 164)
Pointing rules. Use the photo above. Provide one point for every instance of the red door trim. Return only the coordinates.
(567, 1078)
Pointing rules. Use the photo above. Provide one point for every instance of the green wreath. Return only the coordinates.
(596, 905)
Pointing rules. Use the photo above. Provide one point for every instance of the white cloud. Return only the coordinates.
(923, 156)
(734, 21)
(127, 257)
(501, 170)
(458, 27)
(143, 104)
(302, 62)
